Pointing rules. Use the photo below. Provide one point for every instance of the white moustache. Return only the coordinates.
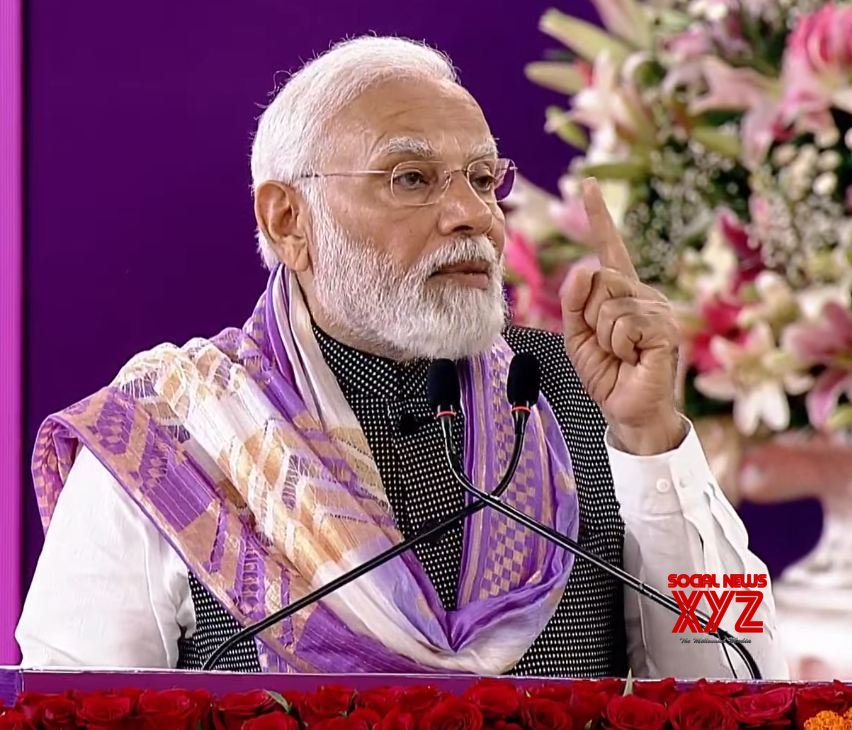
(461, 251)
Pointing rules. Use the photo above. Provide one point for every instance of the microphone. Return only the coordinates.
(442, 388)
(527, 391)
(522, 387)
(524, 381)
(445, 397)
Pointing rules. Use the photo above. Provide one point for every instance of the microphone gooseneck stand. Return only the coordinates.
(522, 389)
(445, 417)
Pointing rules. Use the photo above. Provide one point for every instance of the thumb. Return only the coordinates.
(574, 293)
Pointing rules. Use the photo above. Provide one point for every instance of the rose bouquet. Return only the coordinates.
(721, 131)
(488, 703)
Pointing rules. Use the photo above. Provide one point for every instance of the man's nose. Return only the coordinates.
(463, 210)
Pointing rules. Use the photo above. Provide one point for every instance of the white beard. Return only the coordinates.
(363, 292)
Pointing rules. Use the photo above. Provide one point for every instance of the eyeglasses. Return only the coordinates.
(424, 182)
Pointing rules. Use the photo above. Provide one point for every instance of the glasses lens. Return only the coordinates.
(417, 182)
(423, 182)
(483, 177)
(505, 179)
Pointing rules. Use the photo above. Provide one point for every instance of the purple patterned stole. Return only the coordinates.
(241, 452)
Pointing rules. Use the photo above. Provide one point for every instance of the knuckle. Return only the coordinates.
(629, 323)
(611, 308)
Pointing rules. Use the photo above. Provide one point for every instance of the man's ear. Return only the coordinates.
(282, 218)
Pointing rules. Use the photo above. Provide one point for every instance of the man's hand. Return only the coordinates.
(622, 338)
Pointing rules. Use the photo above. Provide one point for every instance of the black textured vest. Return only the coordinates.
(585, 637)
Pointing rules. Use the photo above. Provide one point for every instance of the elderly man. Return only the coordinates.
(211, 484)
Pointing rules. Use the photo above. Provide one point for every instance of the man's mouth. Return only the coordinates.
(468, 273)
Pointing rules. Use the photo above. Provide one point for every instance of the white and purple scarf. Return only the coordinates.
(244, 453)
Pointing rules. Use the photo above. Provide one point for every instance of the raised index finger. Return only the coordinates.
(612, 252)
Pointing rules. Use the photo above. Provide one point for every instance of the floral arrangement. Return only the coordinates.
(721, 131)
(489, 703)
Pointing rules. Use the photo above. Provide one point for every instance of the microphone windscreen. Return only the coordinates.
(524, 382)
(442, 387)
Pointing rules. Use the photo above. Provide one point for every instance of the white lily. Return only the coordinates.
(628, 19)
(611, 106)
(776, 302)
(756, 376)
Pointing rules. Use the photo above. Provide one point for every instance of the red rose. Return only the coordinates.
(633, 713)
(396, 719)
(366, 716)
(380, 699)
(768, 709)
(103, 710)
(538, 713)
(555, 692)
(700, 710)
(271, 721)
(497, 700)
(134, 693)
(452, 713)
(177, 708)
(417, 700)
(836, 697)
(503, 725)
(361, 719)
(58, 713)
(291, 696)
(29, 704)
(721, 689)
(662, 691)
(232, 710)
(584, 700)
(14, 720)
(325, 703)
(586, 707)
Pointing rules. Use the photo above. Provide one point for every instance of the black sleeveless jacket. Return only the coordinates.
(585, 637)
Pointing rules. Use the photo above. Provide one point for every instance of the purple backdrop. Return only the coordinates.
(139, 218)
(11, 294)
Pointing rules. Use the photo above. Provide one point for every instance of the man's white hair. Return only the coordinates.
(290, 139)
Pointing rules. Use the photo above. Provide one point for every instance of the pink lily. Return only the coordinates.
(742, 88)
(827, 342)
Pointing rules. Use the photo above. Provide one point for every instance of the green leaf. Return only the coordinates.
(841, 419)
(559, 123)
(585, 39)
(280, 699)
(670, 21)
(556, 75)
(563, 253)
(717, 141)
(628, 685)
(630, 170)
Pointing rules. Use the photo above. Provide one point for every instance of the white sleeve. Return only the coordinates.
(108, 590)
(678, 521)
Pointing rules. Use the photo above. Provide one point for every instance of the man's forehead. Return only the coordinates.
(434, 148)
(429, 119)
